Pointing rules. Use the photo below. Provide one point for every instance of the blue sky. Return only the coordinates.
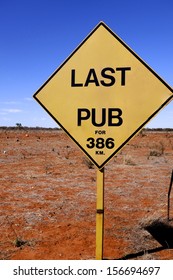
(36, 36)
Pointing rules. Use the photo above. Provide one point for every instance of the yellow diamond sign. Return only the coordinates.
(103, 94)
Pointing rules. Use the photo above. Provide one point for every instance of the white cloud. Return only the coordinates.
(28, 99)
(6, 111)
(9, 102)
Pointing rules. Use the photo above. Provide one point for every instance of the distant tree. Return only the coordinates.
(19, 125)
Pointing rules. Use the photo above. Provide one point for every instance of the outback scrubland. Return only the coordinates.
(48, 197)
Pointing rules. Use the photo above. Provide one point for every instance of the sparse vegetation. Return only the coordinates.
(18, 241)
(43, 193)
(88, 163)
(157, 151)
(128, 160)
(19, 125)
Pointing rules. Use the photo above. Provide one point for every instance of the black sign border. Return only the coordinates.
(138, 129)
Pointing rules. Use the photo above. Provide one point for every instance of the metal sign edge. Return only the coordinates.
(133, 53)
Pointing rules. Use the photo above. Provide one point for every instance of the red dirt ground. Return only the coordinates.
(48, 198)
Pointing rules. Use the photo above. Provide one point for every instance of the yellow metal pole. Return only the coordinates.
(100, 214)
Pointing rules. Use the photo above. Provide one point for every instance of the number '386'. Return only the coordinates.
(100, 143)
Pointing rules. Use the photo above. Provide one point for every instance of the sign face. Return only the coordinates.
(103, 94)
